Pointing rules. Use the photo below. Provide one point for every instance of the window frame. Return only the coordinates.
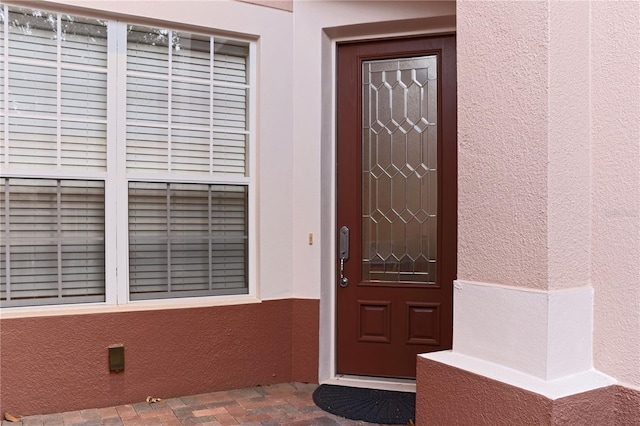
(116, 178)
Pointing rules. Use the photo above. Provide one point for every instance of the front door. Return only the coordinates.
(396, 203)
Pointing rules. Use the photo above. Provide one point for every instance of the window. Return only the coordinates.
(54, 247)
(110, 128)
(53, 157)
(186, 239)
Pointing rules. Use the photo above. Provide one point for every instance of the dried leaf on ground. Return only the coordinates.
(10, 418)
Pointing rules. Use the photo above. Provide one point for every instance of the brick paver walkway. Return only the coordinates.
(282, 404)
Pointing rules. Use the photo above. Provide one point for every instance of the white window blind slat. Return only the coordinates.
(229, 166)
(80, 32)
(82, 81)
(29, 47)
(151, 113)
(86, 108)
(23, 77)
(84, 94)
(190, 67)
(191, 104)
(31, 37)
(142, 88)
(72, 161)
(42, 161)
(147, 148)
(21, 148)
(229, 107)
(191, 53)
(76, 53)
(190, 151)
(144, 57)
(230, 61)
(32, 89)
(83, 145)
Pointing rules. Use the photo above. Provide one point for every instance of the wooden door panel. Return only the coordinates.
(375, 321)
(396, 187)
(423, 323)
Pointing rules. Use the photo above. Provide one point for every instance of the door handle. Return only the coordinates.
(344, 254)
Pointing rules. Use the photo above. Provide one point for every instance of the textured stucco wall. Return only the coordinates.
(615, 104)
(54, 364)
(449, 396)
(305, 349)
(284, 5)
(502, 142)
(569, 154)
(523, 84)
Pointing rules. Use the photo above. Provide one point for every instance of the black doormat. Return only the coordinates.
(369, 405)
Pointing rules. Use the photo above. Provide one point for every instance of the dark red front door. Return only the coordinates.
(396, 203)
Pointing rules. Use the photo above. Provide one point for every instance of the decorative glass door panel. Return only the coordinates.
(400, 169)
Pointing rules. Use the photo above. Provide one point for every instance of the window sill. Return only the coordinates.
(137, 306)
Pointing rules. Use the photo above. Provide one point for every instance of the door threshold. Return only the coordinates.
(382, 383)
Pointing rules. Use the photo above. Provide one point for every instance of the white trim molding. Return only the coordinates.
(552, 389)
(547, 334)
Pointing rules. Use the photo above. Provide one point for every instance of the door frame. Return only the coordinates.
(327, 324)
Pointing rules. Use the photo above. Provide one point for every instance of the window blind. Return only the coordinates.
(186, 106)
(187, 240)
(52, 247)
(56, 102)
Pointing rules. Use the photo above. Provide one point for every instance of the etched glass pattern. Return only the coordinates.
(399, 170)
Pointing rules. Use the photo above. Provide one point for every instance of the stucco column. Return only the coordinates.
(523, 303)
(615, 100)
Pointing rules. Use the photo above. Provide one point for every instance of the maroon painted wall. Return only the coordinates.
(60, 363)
(450, 396)
(305, 325)
(627, 406)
